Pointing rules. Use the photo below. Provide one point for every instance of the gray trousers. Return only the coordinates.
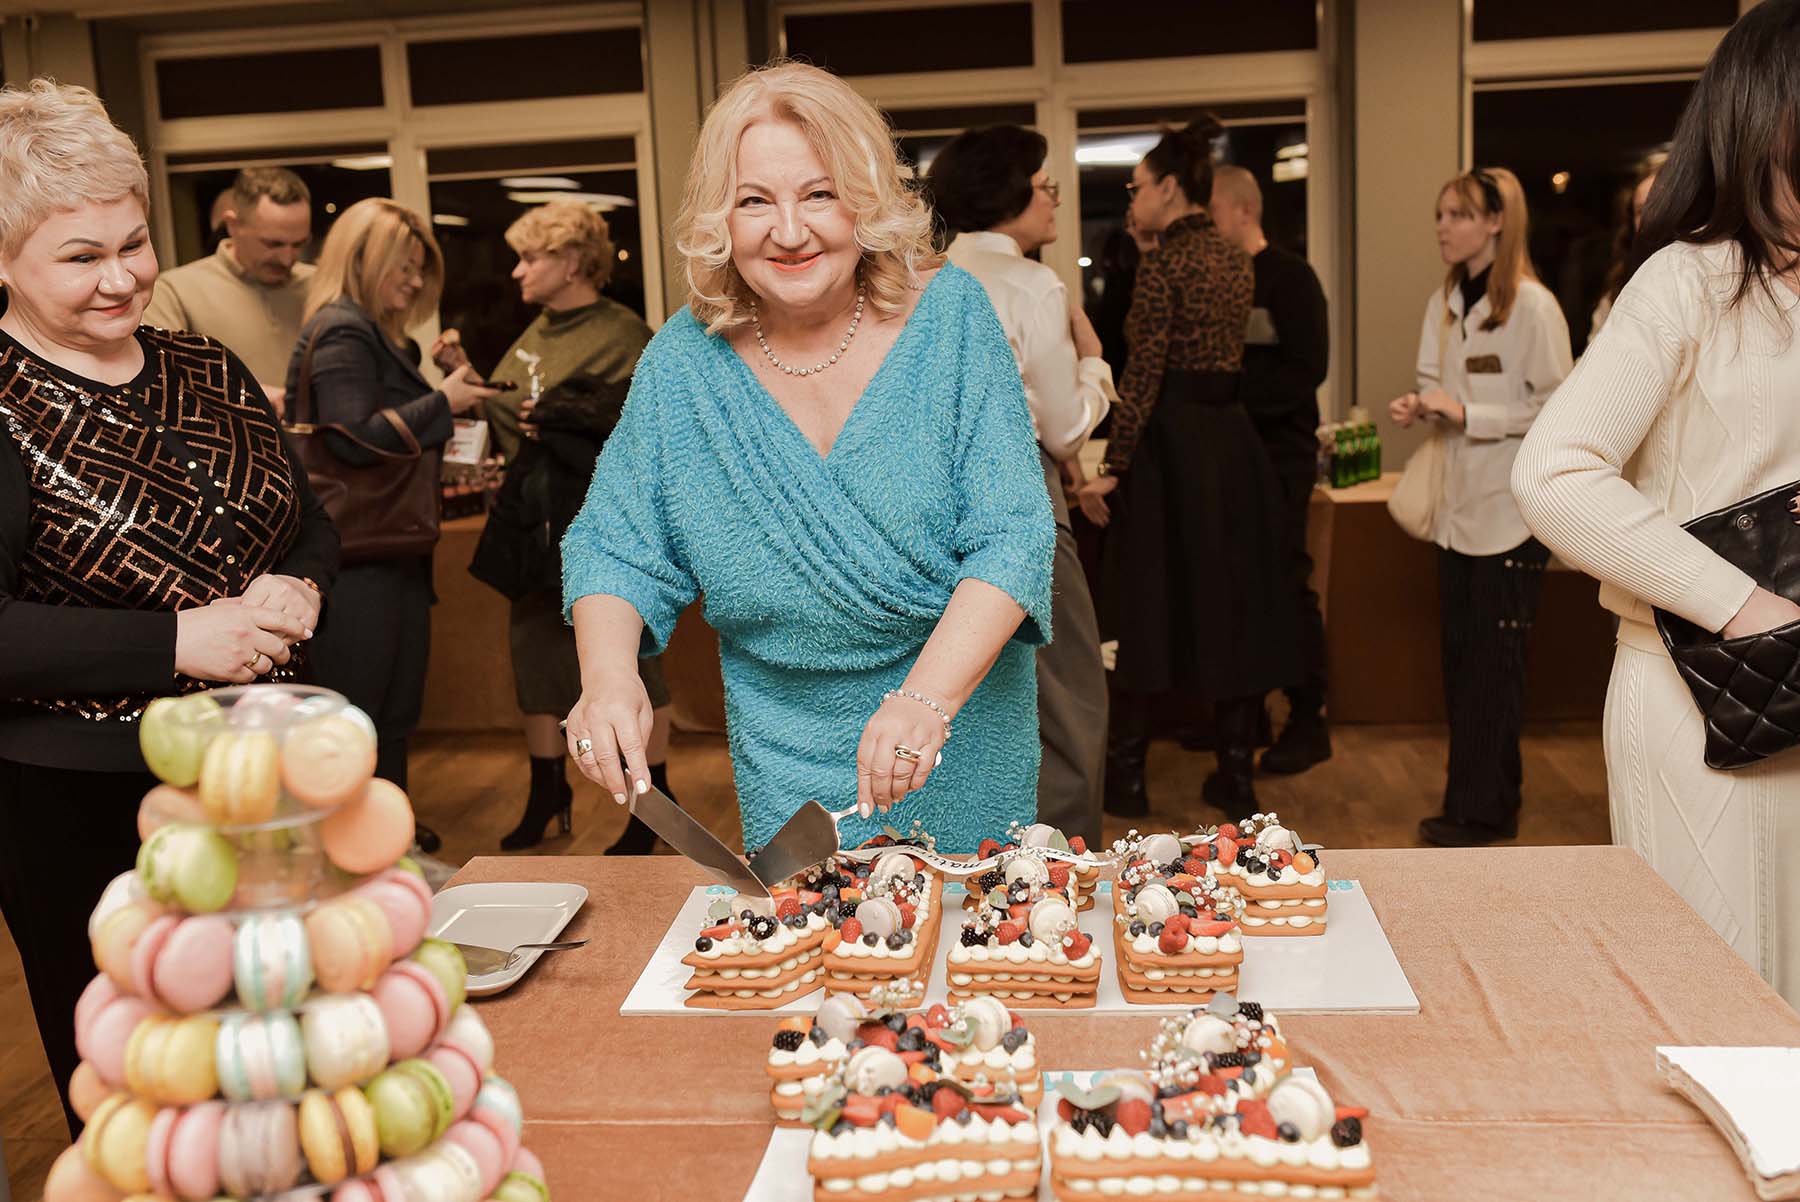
(1071, 692)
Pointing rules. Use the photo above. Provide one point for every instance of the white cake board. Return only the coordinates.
(782, 1175)
(1350, 967)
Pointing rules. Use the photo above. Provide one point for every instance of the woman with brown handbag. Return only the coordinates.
(357, 372)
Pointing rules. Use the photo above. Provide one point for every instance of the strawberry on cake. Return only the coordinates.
(1019, 941)
(884, 916)
(979, 1044)
(1218, 1116)
(1043, 836)
(887, 1130)
(1175, 928)
(1281, 878)
(758, 953)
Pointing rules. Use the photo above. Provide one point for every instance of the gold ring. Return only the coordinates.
(253, 661)
(906, 753)
(584, 747)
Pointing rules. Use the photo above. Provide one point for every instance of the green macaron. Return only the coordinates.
(173, 733)
(194, 867)
(521, 1187)
(444, 962)
(413, 1106)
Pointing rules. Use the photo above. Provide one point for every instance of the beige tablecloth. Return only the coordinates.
(1546, 977)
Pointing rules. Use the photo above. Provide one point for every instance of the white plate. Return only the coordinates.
(504, 914)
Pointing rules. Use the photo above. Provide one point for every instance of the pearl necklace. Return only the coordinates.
(855, 320)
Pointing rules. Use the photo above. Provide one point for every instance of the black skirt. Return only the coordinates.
(1195, 569)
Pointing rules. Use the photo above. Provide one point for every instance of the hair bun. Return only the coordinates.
(1204, 128)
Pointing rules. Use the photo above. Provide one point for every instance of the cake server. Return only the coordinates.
(810, 837)
(687, 836)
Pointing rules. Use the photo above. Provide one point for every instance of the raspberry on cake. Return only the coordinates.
(883, 917)
(887, 1130)
(1019, 941)
(1175, 927)
(1281, 878)
(757, 953)
(1218, 1116)
(980, 1044)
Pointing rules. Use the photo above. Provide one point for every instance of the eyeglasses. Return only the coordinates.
(1052, 189)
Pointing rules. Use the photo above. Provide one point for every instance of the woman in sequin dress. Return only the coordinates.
(155, 535)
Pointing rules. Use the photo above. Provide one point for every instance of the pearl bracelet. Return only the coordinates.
(923, 700)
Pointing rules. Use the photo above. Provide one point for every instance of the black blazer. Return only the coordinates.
(356, 373)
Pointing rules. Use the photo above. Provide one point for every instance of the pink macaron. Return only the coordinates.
(527, 1162)
(405, 900)
(184, 963)
(383, 1185)
(72, 1179)
(497, 1108)
(259, 1148)
(104, 1021)
(415, 1007)
(481, 1143)
(463, 1055)
(183, 1151)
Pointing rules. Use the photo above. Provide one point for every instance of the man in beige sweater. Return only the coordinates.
(250, 293)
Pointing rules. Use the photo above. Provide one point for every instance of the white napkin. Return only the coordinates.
(1752, 1095)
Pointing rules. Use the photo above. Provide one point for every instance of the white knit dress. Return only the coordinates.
(1702, 400)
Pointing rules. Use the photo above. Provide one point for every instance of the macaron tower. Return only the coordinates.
(269, 1020)
(1175, 924)
(1218, 1114)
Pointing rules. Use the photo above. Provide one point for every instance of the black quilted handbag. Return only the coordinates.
(1748, 688)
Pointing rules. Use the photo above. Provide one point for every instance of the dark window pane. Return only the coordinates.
(192, 191)
(537, 156)
(959, 119)
(1180, 115)
(1502, 20)
(914, 39)
(1574, 217)
(291, 82)
(1097, 31)
(473, 70)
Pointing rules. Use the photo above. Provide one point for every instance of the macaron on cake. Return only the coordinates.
(269, 1014)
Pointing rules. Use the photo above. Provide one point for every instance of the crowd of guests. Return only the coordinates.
(859, 444)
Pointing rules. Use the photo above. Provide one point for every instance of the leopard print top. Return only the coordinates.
(1188, 313)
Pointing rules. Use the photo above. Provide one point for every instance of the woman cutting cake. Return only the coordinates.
(831, 444)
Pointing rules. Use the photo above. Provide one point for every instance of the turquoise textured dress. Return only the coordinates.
(824, 576)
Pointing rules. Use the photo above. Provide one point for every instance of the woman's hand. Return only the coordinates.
(607, 731)
(1092, 496)
(1404, 410)
(883, 775)
(233, 641)
(447, 351)
(1439, 404)
(289, 594)
(1763, 611)
(463, 391)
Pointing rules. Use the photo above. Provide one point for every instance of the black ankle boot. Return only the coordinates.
(1126, 795)
(1304, 741)
(1232, 788)
(639, 839)
(551, 797)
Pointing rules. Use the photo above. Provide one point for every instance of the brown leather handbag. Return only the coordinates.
(386, 510)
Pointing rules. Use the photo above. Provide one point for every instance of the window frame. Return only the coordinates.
(408, 131)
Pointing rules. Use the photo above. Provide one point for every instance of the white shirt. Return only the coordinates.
(1703, 394)
(1476, 514)
(1067, 396)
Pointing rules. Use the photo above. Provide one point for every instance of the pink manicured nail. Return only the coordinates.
(619, 797)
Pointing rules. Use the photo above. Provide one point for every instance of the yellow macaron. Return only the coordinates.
(240, 778)
(116, 1140)
(170, 1060)
(338, 1134)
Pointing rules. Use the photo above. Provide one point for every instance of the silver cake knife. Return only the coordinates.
(809, 837)
(694, 841)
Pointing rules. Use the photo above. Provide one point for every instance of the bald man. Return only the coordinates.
(1286, 353)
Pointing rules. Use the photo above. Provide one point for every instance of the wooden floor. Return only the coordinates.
(1382, 780)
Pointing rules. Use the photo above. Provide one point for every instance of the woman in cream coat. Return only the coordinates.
(1696, 375)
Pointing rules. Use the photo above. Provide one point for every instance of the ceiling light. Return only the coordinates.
(1114, 151)
(364, 162)
(448, 219)
(606, 202)
(1084, 261)
(540, 181)
(1295, 151)
(1559, 182)
(1286, 171)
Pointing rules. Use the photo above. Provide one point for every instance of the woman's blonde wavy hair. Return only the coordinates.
(369, 241)
(566, 225)
(893, 223)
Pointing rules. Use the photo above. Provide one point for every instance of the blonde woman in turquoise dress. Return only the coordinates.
(830, 444)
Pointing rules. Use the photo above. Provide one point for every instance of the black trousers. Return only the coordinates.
(1488, 604)
(1306, 697)
(64, 834)
(372, 646)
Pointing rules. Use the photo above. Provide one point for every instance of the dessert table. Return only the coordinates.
(1546, 977)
